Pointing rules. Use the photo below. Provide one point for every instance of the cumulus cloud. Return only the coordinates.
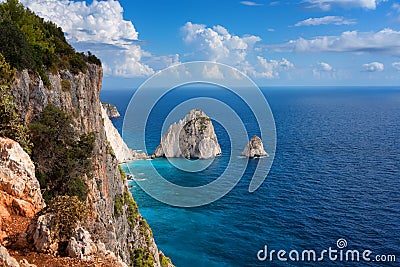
(396, 65)
(269, 69)
(101, 28)
(218, 45)
(323, 66)
(336, 20)
(250, 3)
(212, 72)
(374, 67)
(384, 41)
(329, 4)
(323, 70)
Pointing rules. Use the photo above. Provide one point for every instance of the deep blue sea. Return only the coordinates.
(336, 174)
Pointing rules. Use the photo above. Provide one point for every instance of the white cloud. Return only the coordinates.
(324, 70)
(373, 67)
(396, 65)
(250, 3)
(323, 66)
(99, 22)
(384, 41)
(213, 72)
(269, 69)
(396, 7)
(218, 45)
(329, 4)
(100, 28)
(336, 20)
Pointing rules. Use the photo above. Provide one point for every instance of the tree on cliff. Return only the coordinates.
(29, 42)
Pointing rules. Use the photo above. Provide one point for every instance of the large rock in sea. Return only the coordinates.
(192, 137)
(254, 148)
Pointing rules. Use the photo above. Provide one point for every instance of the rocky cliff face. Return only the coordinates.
(19, 189)
(111, 110)
(121, 150)
(254, 148)
(124, 232)
(191, 137)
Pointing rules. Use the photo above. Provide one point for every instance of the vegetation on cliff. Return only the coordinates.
(62, 156)
(11, 125)
(29, 42)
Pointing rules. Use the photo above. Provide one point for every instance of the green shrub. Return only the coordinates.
(65, 85)
(62, 157)
(68, 212)
(78, 187)
(132, 210)
(165, 261)
(93, 59)
(77, 63)
(123, 174)
(118, 205)
(11, 125)
(142, 258)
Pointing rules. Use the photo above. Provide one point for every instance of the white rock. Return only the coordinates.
(5, 258)
(43, 234)
(191, 137)
(121, 150)
(254, 148)
(17, 176)
(81, 244)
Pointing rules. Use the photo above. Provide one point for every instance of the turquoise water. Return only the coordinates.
(336, 174)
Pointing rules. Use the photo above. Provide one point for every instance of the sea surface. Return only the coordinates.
(336, 175)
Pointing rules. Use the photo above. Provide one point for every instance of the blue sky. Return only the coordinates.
(304, 42)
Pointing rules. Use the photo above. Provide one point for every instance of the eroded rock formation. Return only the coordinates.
(254, 148)
(192, 137)
(111, 110)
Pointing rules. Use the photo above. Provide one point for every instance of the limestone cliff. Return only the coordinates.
(111, 110)
(121, 150)
(19, 189)
(191, 137)
(122, 230)
(254, 148)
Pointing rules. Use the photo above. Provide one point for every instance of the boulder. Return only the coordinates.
(19, 189)
(81, 244)
(43, 234)
(192, 137)
(254, 148)
(6, 260)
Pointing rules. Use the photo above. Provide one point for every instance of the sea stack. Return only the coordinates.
(193, 137)
(112, 111)
(255, 148)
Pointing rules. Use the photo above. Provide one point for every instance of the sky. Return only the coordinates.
(275, 43)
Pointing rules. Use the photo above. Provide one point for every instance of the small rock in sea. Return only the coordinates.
(254, 148)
